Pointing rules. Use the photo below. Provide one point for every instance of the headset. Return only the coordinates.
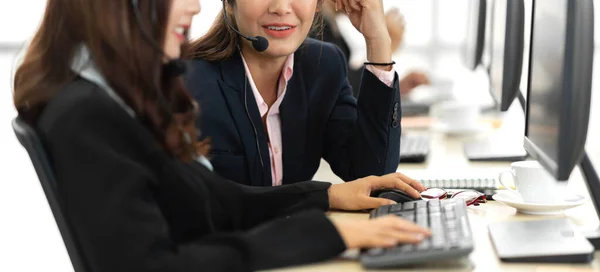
(259, 43)
(262, 164)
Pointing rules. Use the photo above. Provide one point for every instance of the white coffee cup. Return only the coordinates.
(455, 114)
(533, 183)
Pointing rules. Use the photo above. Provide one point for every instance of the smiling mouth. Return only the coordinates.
(279, 28)
(182, 32)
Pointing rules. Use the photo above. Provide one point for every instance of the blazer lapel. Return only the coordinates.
(293, 112)
(243, 108)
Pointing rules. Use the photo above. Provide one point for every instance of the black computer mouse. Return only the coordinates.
(392, 194)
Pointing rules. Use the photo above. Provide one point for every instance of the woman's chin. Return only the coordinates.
(173, 53)
(277, 51)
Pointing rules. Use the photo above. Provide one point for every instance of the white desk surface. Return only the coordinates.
(447, 158)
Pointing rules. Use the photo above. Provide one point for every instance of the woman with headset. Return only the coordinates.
(275, 102)
(107, 100)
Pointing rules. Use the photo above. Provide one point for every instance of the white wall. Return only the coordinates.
(19, 19)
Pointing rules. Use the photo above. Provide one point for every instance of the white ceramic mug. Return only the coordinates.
(533, 183)
(456, 114)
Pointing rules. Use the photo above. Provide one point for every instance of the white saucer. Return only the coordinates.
(514, 200)
(458, 130)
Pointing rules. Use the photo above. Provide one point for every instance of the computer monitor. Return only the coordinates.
(507, 42)
(504, 44)
(475, 33)
(486, 55)
(560, 79)
(557, 117)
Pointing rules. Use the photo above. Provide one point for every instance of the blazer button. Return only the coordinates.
(395, 124)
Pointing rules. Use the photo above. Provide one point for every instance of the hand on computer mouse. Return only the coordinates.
(385, 231)
(356, 195)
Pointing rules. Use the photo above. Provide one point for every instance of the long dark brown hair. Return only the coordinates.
(220, 42)
(131, 66)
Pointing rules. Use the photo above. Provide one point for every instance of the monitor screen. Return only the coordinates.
(486, 56)
(475, 33)
(497, 44)
(507, 42)
(560, 79)
(547, 58)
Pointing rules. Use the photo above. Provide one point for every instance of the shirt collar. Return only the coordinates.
(84, 65)
(284, 78)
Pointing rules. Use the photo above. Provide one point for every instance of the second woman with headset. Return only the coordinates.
(273, 115)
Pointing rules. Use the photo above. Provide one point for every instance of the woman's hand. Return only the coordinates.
(368, 17)
(355, 195)
(396, 25)
(386, 231)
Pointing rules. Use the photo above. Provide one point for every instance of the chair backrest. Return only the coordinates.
(30, 140)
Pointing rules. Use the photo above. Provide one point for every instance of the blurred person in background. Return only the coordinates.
(396, 26)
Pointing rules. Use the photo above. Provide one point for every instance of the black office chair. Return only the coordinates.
(30, 140)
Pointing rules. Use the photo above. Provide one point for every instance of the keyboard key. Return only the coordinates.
(451, 224)
(406, 214)
(433, 203)
(447, 234)
(423, 245)
(406, 248)
(376, 251)
(396, 208)
(408, 206)
(421, 204)
(452, 237)
(438, 244)
(422, 221)
(436, 223)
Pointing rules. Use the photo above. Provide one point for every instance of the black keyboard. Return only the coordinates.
(414, 148)
(451, 234)
(488, 186)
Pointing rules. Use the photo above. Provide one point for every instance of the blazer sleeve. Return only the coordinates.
(111, 203)
(249, 206)
(362, 137)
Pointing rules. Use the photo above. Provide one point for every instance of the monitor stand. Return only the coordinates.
(540, 241)
(487, 151)
(593, 185)
(549, 240)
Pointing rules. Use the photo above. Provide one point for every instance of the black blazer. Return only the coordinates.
(319, 115)
(134, 208)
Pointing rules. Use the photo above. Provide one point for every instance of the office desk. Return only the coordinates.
(447, 158)
(483, 257)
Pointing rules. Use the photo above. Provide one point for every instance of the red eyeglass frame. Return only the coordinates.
(471, 197)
